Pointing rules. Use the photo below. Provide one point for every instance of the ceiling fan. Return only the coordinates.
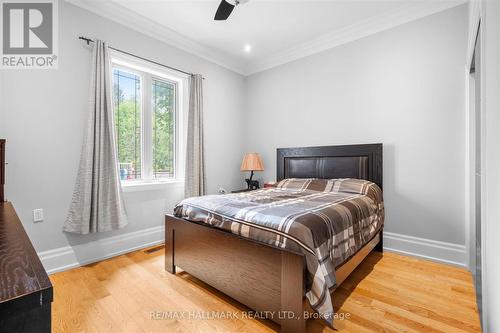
(226, 8)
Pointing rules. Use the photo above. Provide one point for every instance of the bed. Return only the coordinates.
(270, 275)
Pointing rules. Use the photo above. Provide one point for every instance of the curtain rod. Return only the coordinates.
(88, 40)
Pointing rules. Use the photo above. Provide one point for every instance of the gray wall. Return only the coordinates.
(43, 114)
(490, 23)
(403, 87)
(410, 98)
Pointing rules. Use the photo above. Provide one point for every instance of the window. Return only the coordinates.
(147, 106)
(163, 129)
(127, 107)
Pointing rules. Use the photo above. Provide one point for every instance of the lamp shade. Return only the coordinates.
(252, 162)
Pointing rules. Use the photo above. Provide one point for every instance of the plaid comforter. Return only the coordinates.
(326, 220)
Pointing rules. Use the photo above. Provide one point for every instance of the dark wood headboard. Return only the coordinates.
(351, 161)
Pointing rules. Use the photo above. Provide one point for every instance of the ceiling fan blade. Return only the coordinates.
(224, 10)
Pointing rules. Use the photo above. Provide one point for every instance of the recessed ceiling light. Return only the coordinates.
(247, 48)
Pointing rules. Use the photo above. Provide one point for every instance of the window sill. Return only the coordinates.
(136, 186)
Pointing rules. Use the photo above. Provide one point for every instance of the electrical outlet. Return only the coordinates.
(38, 215)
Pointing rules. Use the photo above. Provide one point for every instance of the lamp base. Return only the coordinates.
(252, 184)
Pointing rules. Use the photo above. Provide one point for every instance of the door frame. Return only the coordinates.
(474, 31)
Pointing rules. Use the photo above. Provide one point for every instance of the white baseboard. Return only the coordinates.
(68, 257)
(442, 252)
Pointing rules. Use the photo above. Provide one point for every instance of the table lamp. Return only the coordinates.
(252, 162)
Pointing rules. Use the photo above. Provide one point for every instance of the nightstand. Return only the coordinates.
(239, 191)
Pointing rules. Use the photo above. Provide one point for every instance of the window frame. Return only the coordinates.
(148, 72)
(141, 82)
(152, 78)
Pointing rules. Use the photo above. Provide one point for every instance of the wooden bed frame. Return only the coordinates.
(265, 278)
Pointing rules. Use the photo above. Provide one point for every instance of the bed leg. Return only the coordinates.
(169, 246)
(380, 246)
(292, 293)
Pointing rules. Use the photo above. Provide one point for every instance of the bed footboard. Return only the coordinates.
(259, 276)
(264, 278)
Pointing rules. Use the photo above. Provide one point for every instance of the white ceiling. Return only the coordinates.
(269, 26)
(277, 30)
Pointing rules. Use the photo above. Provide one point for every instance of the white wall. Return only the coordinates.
(490, 25)
(43, 114)
(403, 87)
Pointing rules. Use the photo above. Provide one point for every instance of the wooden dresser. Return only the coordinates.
(2, 170)
(25, 290)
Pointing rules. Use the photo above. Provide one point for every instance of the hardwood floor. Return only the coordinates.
(389, 293)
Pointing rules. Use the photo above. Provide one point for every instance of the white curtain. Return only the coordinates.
(195, 161)
(97, 203)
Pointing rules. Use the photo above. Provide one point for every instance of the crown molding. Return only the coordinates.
(353, 32)
(115, 12)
